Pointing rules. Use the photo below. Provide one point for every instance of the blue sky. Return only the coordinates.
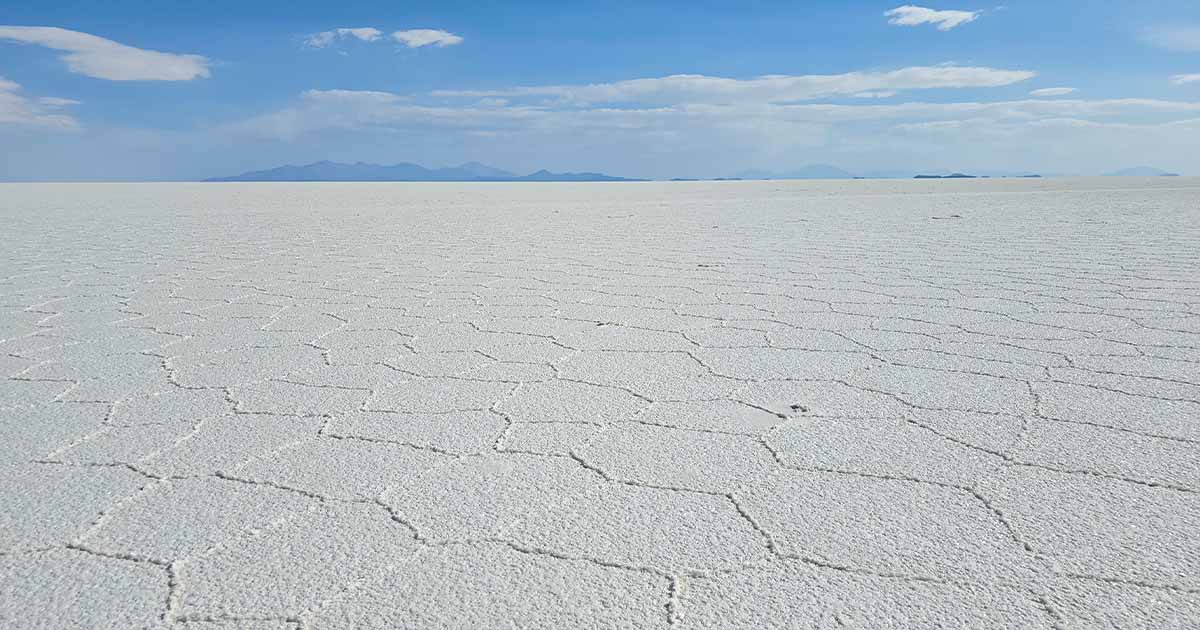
(173, 90)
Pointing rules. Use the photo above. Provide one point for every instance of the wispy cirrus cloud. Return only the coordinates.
(1053, 91)
(418, 37)
(916, 16)
(656, 139)
(693, 88)
(1184, 79)
(326, 38)
(412, 38)
(910, 15)
(319, 110)
(102, 58)
(16, 109)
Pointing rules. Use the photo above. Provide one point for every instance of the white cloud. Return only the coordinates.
(1054, 91)
(702, 139)
(418, 37)
(909, 15)
(326, 38)
(651, 140)
(105, 59)
(1183, 38)
(54, 101)
(319, 110)
(1182, 79)
(18, 110)
(413, 38)
(693, 88)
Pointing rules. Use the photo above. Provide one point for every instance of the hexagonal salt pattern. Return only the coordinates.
(651, 405)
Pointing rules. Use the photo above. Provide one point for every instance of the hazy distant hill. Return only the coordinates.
(1141, 171)
(483, 170)
(812, 171)
(547, 176)
(405, 172)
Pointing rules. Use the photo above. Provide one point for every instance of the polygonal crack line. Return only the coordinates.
(1008, 526)
(493, 408)
(1011, 460)
(477, 328)
(173, 380)
(306, 615)
(195, 430)
(503, 361)
(1086, 423)
(555, 364)
(498, 443)
(323, 432)
(867, 349)
(28, 551)
(708, 369)
(975, 494)
(19, 376)
(642, 397)
(636, 419)
(174, 591)
(67, 391)
(413, 374)
(1102, 475)
(1037, 413)
(768, 542)
(913, 405)
(288, 379)
(874, 326)
(1061, 355)
(671, 587)
(1149, 377)
(902, 364)
(167, 567)
(909, 366)
(1040, 596)
(1102, 388)
(571, 454)
(1147, 350)
(219, 618)
(162, 361)
(52, 456)
(107, 513)
(674, 587)
(1128, 582)
(958, 327)
(1088, 334)
(637, 568)
(278, 486)
(825, 564)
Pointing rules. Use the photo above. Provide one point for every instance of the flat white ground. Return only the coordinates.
(954, 404)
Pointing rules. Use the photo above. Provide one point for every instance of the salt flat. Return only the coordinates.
(901, 404)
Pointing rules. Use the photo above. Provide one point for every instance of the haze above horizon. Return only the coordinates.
(152, 91)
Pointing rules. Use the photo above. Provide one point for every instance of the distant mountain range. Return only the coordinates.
(476, 172)
(406, 172)
(1141, 171)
